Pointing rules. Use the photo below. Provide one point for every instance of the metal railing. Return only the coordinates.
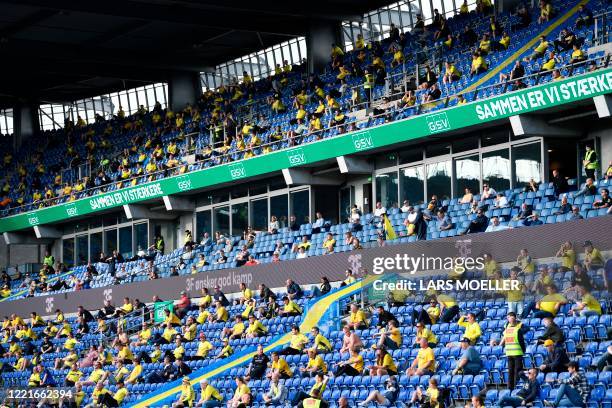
(389, 115)
(601, 31)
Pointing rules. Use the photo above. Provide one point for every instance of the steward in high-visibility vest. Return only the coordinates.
(514, 346)
(590, 162)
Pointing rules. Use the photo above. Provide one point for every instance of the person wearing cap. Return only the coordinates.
(209, 396)
(556, 359)
(593, 259)
(187, 395)
(226, 351)
(470, 362)
(527, 394)
(5, 291)
(513, 341)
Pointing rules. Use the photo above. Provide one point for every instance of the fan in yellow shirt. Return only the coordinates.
(320, 342)
(204, 346)
(280, 367)
(351, 367)
(471, 326)
(383, 365)
(256, 328)
(226, 351)
(208, 393)
(425, 362)
(315, 364)
(357, 318)
(297, 342)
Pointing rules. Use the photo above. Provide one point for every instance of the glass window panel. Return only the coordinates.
(467, 174)
(439, 179)
(412, 184)
(279, 207)
(240, 218)
(95, 246)
(110, 238)
(203, 223)
(496, 169)
(527, 163)
(125, 241)
(82, 247)
(493, 138)
(387, 189)
(259, 214)
(141, 235)
(221, 220)
(300, 207)
(68, 251)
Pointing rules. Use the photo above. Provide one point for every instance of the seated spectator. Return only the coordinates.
(279, 367)
(294, 291)
(430, 398)
(547, 306)
(529, 392)
(573, 391)
(350, 340)
(588, 189)
(479, 64)
(533, 219)
(351, 367)
(575, 214)
(259, 363)
(209, 396)
(588, 305)
(385, 398)
(605, 201)
(472, 328)
(315, 365)
(470, 362)
(443, 222)
(329, 243)
(390, 336)
(478, 224)
(304, 244)
(552, 332)
(593, 259)
(277, 395)
(585, 17)
(556, 359)
(467, 196)
(501, 201)
(425, 361)
(495, 225)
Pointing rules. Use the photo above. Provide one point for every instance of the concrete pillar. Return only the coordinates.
(25, 122)
(183, 88)
(321, 35)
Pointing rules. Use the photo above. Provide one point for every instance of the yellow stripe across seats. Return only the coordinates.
(309, 321)
(530, 44)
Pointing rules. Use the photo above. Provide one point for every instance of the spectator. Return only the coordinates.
(386, 397)
(478, 224)
(277, 395)
(529, 392)
(209, 396)
(294, 291)
(575, 214)
(573, 391)
(605, 201)
(495, 225)
(556, 359)
(565, 206)
(588, 189)
(553, 332)
(560, 184)
(470, 362)
(533, 220)
(593, 259)
(425, 361)
(514, 346)
(588, 305)
(351, 367)
(585, 17)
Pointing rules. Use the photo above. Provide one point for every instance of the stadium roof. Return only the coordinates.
(62, 50)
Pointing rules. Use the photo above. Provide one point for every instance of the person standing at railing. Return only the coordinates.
(585, 17)
(368, 84)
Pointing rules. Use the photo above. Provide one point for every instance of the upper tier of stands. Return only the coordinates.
(126, 151)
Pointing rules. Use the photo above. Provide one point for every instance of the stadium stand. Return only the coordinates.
(339, 344)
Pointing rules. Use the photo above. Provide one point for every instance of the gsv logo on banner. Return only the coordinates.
(237, 171)
(438, 123)
(33, 220)
(183, 183)
(362, 141)
(296, 157)
(72, 211)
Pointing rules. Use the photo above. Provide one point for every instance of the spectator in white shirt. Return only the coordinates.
(501, 201)
(487, 192)
(405, 207)
(319, 223)
(494, 225)
(379, 210)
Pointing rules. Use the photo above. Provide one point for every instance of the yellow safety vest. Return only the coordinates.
(368, 81)
(593, 165)
(511, 340)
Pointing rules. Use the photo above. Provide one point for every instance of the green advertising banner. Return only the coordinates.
(527, 100)
(159, 309)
